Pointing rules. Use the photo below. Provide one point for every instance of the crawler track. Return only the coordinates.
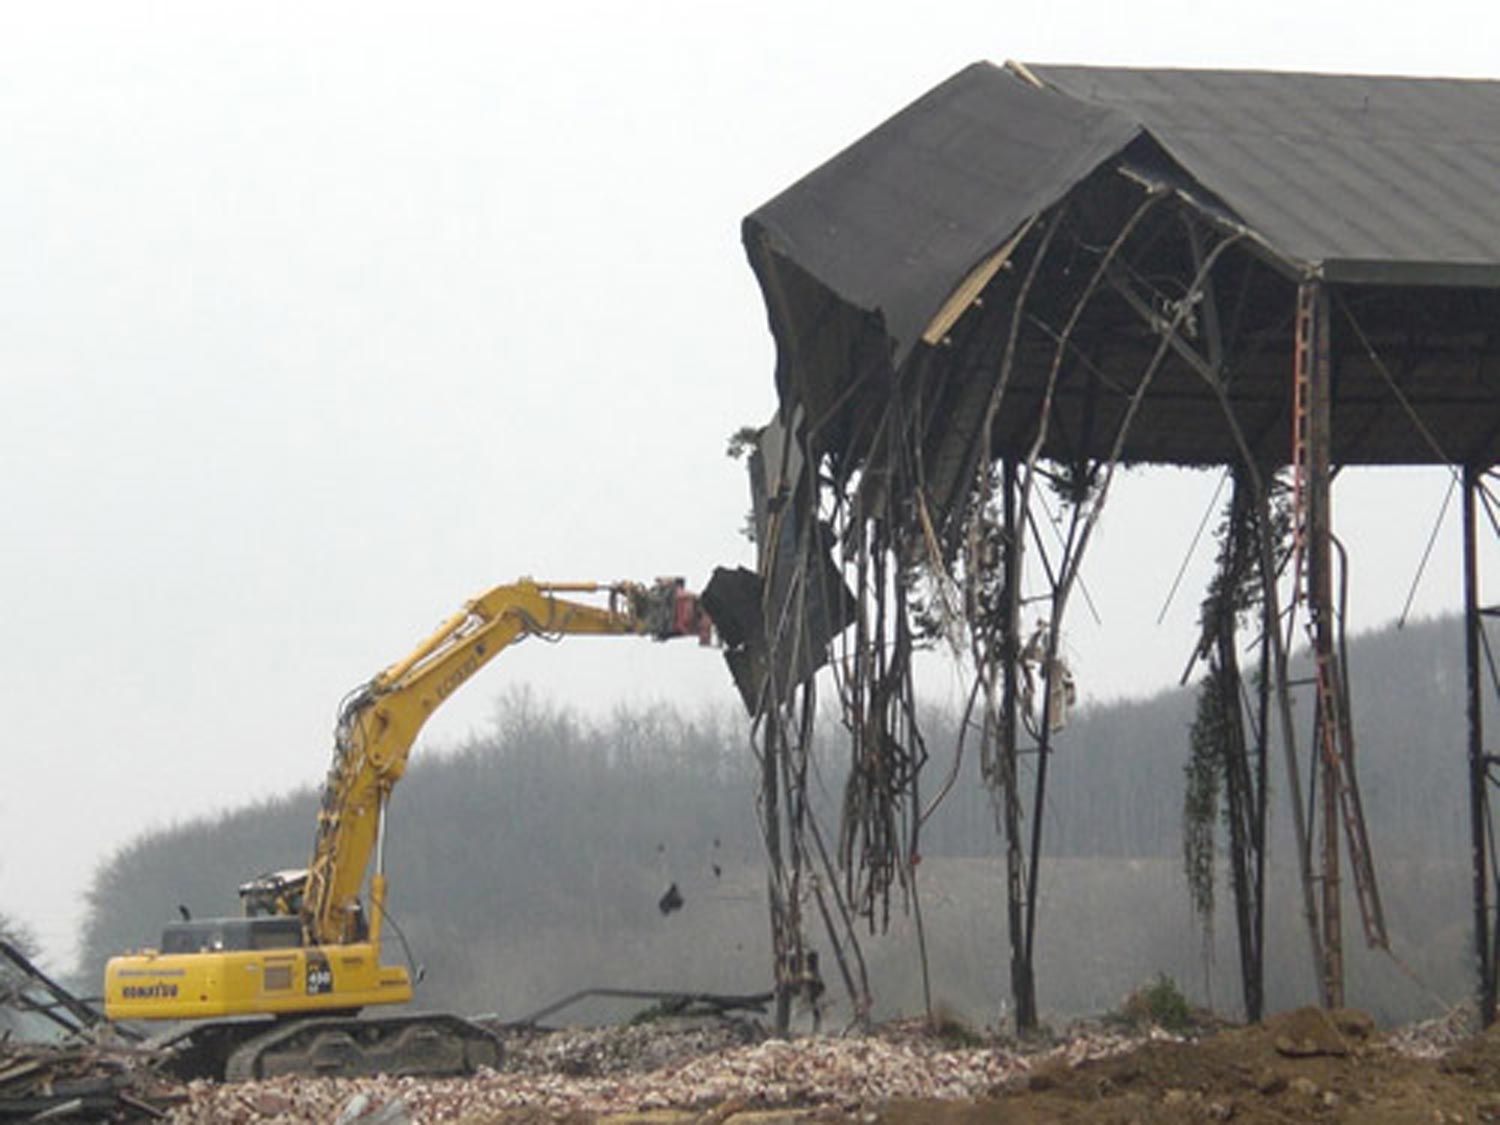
(432, 1044)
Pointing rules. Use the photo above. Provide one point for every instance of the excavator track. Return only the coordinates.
(431, 1044)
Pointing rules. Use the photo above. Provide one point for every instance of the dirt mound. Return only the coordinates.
(1305, 1065)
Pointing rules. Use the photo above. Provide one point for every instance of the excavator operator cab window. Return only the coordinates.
(193, 937)
(275, 933)
(216, 935)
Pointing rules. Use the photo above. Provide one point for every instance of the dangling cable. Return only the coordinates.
(1437, 526)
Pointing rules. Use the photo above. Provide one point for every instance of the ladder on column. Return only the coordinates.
(1336, 742)
(1334, 733)
(1302, 361)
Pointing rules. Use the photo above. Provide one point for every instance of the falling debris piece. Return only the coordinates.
(671, 901)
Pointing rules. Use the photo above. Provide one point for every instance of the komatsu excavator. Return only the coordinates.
(281, 986)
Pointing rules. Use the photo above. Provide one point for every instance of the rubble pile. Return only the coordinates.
(635, 1048)
(596, 1072)
(59, 1060)
(87, 1081)
(1307, 1062)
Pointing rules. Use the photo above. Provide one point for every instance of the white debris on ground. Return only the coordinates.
(648, 1046)
(847, 1073)
(1434, 1038)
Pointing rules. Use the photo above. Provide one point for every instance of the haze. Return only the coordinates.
(316, 321)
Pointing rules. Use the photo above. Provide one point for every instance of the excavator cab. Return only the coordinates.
(275, 892)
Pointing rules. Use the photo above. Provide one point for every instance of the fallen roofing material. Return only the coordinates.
(27, 989)
(81, 1082)
(90, 1073)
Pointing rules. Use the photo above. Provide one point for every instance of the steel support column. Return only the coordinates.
(1022, 972)
(1244, 789)
(1333, 732)
(1316, 469)
(1479, 820)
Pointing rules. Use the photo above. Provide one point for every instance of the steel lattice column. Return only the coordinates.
(1479, 783)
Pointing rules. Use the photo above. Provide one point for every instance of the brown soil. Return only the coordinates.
(1300, 1066)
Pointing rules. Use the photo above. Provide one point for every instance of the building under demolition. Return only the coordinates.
(1027, 279)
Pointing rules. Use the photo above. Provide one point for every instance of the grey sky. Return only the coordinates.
(314, 321)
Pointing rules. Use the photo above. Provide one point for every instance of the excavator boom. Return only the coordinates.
(380, 720)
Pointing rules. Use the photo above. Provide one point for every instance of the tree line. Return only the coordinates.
(533, 859)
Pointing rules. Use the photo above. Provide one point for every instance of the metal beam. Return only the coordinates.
(1484, 936)
(1316, 481)
(1022, 972)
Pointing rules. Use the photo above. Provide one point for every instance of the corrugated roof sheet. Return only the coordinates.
(1372, 179)
(894, 221)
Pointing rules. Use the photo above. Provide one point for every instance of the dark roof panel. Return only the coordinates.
(891, 224)
(1389, 188)
(1389, 179)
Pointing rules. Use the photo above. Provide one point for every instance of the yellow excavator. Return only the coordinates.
(281, 986)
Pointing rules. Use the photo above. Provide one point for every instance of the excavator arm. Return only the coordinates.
(380, 720)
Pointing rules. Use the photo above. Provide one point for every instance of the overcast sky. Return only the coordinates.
(316, 320)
